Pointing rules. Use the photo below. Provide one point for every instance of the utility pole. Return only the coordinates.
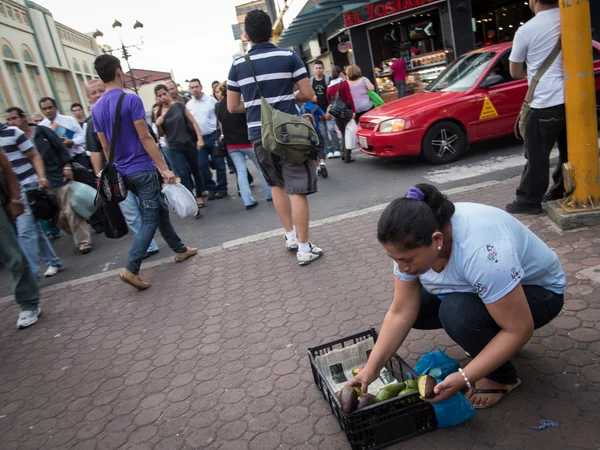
(582, 170)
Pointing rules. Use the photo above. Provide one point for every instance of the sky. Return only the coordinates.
(193, 38)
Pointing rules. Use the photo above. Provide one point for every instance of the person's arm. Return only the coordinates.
(305, 91)
(188, 116)
(398, 321)
(97, 162)
(517, 57)
(369, 84)
(15, 207)
(234, 93)
(346, 95)
(38, 163)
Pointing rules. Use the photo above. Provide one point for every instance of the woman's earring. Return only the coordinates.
(439, 249)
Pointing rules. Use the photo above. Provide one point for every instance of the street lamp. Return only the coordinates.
(99, 37)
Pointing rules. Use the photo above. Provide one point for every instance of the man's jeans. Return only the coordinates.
(544, 128)
(33, 240)
(239, 159)
(186, 164)
(146, 186)
(401, 87)
(132, 212)
(24, 285)
(210, 143)
(468, 323)
(332, 142)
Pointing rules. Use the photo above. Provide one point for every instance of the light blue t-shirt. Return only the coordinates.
(492, 252)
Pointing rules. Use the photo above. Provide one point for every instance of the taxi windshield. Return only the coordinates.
(462, 74)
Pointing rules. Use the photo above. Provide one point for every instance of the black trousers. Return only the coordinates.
(468, 323)
(544, 128)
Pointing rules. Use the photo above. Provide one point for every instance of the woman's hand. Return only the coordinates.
(364, 378)
(447, 388)
(200, 143)
(160, 120)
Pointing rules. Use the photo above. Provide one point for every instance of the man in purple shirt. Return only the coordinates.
(399, 71)
(136, 154)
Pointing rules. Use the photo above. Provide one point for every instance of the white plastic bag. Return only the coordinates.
(180, 200)
(351, 130)
(81, 198)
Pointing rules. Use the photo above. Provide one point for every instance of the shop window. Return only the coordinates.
(499, 25)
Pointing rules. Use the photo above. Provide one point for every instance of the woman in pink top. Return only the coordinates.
(359, 87)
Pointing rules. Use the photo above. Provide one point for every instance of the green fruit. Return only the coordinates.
(366, 400)
(389, 391)
(356, 370)
(348, 399)
(411, 384)
(358, 390)
(426, 384)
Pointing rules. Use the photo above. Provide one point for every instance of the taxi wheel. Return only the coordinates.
(443, 143)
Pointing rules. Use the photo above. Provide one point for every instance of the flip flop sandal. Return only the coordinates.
(476, 391)
(200, 205)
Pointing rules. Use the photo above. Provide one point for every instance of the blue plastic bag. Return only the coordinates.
(454, 410)
(82, 199)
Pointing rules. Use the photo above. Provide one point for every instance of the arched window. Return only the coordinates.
(14, 72)
(33, 74)
(86, 70)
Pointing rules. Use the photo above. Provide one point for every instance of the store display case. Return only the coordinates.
(385, 81)
(426, 68)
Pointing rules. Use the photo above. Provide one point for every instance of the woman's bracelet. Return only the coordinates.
(464, 375)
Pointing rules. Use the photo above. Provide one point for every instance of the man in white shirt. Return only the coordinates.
(202, 107)
(66, 127)
(546, 124)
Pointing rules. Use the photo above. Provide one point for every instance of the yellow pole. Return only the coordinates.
(580, 100)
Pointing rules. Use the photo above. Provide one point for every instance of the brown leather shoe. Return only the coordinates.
(189, 252)
(133, 280)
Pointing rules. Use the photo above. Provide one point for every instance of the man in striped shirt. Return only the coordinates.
(29, 167)
(277, 71)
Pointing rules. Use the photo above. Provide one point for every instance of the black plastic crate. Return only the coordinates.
(381, 424)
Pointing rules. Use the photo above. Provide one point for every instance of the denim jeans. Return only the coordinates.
(155, 214)
(468, 323)
(239, 159)
(33, 240)
(206, 152)
(185, 161)
(167, 155)
(132, 212)
(401, 87)
(24, 285)
(332, 142)
(544, 128)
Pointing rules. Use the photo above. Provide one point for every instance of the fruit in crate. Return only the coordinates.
(426, 383)
(389, 391)
(348, 399)
(366, 400)
(411, 384)
(408, 401)
(356, 370)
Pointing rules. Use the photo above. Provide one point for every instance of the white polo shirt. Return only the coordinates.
(533, 42)
(203, 111)
(66, 127)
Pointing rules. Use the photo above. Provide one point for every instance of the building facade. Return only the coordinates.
(41, 57)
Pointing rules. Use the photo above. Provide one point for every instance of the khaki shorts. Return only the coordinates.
(295, 178)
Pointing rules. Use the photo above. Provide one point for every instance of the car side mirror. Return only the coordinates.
(491, 80)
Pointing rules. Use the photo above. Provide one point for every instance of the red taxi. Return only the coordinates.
(474, 99)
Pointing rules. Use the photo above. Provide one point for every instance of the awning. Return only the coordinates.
(312, 21)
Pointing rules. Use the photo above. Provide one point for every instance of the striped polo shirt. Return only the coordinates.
(277, 70)
(16, 145)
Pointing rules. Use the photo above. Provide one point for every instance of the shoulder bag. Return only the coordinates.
(340, 108)
(520, 125)
(111, 187)
(288, 136)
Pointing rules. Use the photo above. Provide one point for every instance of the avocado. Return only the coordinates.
(426, 383)
(348, 399)
(366, 400)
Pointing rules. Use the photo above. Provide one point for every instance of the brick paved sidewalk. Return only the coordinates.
(213, 356)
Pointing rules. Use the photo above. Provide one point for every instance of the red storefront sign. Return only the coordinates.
(374, 11)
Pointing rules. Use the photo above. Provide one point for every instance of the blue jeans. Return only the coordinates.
(155, 214)
(401, 86)
(167, 155)
(24, 286)
(332, 142)
(33, 240)
(239, 159)
(210, 143)
(185, 162)
(132, 211)
(468, 323)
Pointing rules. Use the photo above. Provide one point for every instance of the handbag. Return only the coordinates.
(43, 205)
(114, 224)
(287, 136)
(111, 186)
(521, 123)
(375, 98)
(340, 108)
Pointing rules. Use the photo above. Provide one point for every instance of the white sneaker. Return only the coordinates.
(53, 270)
(291, 243)
(28, 318)
(330, 155)
(307, 258)
(337, 154)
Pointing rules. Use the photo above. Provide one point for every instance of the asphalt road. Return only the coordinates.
(367, 182)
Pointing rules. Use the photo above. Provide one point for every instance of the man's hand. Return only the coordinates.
(43, 183)
(447, 388)
(68, 173)
(327, 116)
(364, 378)
(68, 143)
(200, 143)
(168, 176)
(15, 209)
